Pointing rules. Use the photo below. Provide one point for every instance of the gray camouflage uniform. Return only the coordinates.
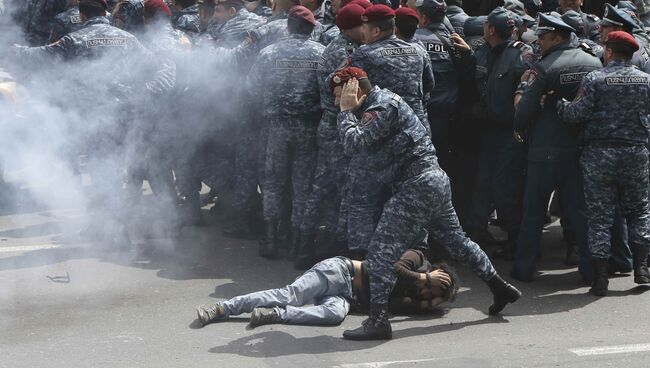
(613, 103)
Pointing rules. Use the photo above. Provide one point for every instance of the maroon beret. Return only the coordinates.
(299, 12)
(405, 13)
(362, 3)
(378, 12)
(341, 76)
(157, 5)
(623, 38)
(349, 16)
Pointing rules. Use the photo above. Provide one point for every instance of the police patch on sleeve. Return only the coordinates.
(368, 117)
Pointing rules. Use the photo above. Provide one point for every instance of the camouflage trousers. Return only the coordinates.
(420, 201)
(249, 166)
(323, 204)
(289, 167)
(611, 175)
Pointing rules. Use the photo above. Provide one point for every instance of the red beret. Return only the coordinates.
(349, 16)
(299, 12)
(345, 74)
(622, 37)
(157, 5)
(378, 12)
(362, 3)
(405, 13)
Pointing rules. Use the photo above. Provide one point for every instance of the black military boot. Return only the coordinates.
(268, 243)
(305, 255)
(292, 250)
(641, 273)
(503, 293)
(600, 282)
(375, 327)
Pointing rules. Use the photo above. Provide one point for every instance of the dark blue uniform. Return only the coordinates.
(553, 153)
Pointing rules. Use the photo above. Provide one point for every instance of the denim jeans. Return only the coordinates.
(320, 296)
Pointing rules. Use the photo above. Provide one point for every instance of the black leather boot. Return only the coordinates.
(503, 293)
(305, 255)
(641, 273)
(600, 282)
(293, 248)
(375, 327)
(268, 243)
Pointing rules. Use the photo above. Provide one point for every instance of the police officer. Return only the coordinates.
(136, 79)
(553, 149)
(499, 66)
(259, 7)
(66, 21)
(186, 16)
(576, 21)
(381, 126)
(448, 64)
(285, 79)
(331, 168)
(36, 18)
(456, 15)
(613, 103)
(616, 19)
(590, 21)
(128, 15)
(234, 22)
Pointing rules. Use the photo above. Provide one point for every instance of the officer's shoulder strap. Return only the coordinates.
(517, 44)
(586, 48)
(395, 99)
(593, 17)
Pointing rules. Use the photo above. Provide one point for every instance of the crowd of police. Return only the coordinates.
(530, 105)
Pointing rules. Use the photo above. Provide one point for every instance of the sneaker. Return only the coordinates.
(213, 313)
(264, 316)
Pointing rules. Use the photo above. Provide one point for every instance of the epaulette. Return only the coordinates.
(517, 44)
(593, 17)
(395, 99)
(586, 48)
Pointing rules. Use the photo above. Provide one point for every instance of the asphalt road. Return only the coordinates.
(65, 303)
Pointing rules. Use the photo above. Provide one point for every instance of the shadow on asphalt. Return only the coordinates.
(279, 343)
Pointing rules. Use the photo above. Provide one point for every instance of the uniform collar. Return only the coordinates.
(97, 20)
(618, 63)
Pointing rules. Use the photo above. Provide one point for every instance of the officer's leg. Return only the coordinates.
(621, 259)
(329, 310)
(633, 192)
(507, 183)
(540, 183)
(402, 218)
(600, 200)
(277, 169)
(481, 204)
(302, 176)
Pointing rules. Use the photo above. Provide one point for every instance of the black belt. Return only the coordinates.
(614, 144)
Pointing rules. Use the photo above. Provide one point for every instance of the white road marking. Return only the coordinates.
(384, 364)
(28, 248)
(614, 349)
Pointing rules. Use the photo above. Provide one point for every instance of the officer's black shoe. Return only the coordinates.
(294, 246)
(375, 327)
(641, 273)
(268, 243)
(238, 227)
(305, 258)
(503, 293)
(600, 282)
(264, 316)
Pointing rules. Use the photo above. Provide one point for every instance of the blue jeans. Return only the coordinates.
(327, 287)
